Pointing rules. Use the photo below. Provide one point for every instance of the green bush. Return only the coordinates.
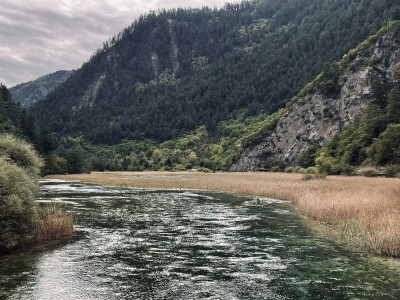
(386, 148)
(311, 170)
(308, 176)
(18, 208)
(316, 175)
(275, 169)
(20, 153)
(368, 172)
(392, 170)
(289, 170)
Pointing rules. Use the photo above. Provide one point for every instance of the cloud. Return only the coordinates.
(43, 36)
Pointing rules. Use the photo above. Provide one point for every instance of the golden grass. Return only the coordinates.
(54, 223)
(363, 211)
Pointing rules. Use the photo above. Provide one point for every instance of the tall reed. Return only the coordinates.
(362, 211)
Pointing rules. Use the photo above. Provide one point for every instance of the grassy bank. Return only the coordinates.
(362, 211)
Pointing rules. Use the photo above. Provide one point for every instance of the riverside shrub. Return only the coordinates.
(18, 208)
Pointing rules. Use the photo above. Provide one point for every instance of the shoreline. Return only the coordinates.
(362, 212)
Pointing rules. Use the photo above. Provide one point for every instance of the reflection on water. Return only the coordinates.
(179, 245)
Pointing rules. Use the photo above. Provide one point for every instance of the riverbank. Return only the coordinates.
(361, 211)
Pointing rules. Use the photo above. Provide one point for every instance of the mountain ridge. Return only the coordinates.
(253, 55)
(28, 93)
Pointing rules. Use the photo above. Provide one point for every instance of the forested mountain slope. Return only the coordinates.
(174, 71)
(358, 97)
(16, 120)
(29, 92)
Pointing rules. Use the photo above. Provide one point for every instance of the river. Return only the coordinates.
(144, 244)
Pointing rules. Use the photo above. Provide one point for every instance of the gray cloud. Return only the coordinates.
(43, 36)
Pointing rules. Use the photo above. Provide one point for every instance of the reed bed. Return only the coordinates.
(362, 211)
(54, 223)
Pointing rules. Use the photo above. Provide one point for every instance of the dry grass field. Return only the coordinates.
(362, 211)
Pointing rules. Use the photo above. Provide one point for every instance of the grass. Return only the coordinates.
(362, 211)
(54, 223)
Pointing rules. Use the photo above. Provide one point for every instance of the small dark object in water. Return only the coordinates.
(258, 202)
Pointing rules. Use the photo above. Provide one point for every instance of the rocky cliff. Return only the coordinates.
(316, 117)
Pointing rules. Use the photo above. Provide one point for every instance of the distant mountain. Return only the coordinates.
(173, 71)
(30, 92)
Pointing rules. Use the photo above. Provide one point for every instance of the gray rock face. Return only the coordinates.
(317, 118)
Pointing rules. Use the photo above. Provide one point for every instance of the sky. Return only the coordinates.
(38, 37)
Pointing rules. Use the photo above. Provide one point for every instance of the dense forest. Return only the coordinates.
(174, 71)
(16, 120)
(190, 88)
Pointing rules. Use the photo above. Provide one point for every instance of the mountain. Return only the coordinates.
(174, 71)
(30, 92)
(345, 110)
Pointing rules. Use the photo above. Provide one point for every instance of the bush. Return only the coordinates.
(289, 170)
(311, 170)
(316, 175)
(368, 172)
(308, 176)
(392, 171)
(20, 217)
(20, 153)
(300, 170)
(18, 208)
(275, 169)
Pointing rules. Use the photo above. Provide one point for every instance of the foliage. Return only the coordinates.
(21, 154)
(386, 147)
(392, 170)
(22, 222)
(174, 71)
(307, 158)
(18, 208)
(17, 121)
(368, 172)
(311, 176)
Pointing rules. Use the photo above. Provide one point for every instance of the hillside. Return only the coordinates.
(344, 110)
(29, 92)
(174, 71)
(16, 120)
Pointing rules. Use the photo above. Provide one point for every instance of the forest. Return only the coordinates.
(191, 88)
(173, 71)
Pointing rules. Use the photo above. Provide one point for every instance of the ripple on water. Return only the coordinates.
(142, 244)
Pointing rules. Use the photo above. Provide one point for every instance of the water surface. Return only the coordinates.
(138, 244)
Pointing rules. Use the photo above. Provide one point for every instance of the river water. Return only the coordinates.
(142, 244)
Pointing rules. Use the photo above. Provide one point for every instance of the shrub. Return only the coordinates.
(316, 175)
(275, 169)
(392, 171)
(308, 176)
(20, 153)
(368, 172)
(299, 170)
(21, 220)
(311, 170)
(289, 170)
(18, 208)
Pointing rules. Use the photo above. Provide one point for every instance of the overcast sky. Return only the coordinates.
(38, 37)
